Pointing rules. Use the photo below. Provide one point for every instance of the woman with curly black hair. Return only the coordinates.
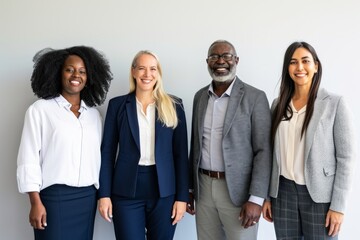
(59, 153)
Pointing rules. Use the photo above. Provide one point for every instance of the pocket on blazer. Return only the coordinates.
(329, 171)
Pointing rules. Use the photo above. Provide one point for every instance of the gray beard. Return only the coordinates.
(224, 78)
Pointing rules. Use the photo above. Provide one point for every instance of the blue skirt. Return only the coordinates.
(70, 213)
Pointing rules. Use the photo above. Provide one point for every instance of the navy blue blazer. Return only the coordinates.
(120, 152)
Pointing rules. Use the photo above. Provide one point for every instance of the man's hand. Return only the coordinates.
(250, 214)
(190, 208)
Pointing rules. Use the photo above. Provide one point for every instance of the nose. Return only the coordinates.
(220, 60)
(300, 66)
(146, 72)
(76, 73)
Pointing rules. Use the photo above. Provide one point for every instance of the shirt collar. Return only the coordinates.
(227, 92)
(140, 104)
(62, 102)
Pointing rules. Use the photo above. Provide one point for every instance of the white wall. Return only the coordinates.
(180, 32)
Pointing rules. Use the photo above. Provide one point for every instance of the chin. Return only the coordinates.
(224, 78)
(221, 79)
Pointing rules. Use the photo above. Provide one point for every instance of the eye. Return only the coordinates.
(213, 57)
(293, 62)
(227, 56)
(82, 72)
(69, 70)
(306, 61)
(153, 69)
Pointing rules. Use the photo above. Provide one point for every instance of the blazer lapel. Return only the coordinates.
(159, 126)
(276, 148)
(319, 107)
(203, 101)
(236, 95)
(132, 118)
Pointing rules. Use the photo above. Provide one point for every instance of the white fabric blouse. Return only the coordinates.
(147, 133)
(292, 152)
(57, 147)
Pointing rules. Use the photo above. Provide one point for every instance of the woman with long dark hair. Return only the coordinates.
(314, 152)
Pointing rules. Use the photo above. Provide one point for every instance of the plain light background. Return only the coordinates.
(179, 32)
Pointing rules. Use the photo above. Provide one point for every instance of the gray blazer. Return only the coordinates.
(245, 144)
(329, 152)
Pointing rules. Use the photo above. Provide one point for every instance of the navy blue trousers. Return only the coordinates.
(146, 214)
(70, 213)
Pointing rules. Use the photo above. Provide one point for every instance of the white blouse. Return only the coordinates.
(57, 147)
(147, 133)
(292, 146)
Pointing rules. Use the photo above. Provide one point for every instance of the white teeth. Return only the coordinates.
(221, 70)
(300, 75)
(75, 82)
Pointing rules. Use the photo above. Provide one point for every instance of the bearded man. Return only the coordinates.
(230, 153)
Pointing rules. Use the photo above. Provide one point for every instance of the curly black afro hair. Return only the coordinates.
(48, 65)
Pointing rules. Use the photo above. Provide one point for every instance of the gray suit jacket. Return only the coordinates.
(329, 152)
(245, 144)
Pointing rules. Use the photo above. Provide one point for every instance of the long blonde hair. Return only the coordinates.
(164, 103)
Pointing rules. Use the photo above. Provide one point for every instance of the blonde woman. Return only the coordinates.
(144, 171)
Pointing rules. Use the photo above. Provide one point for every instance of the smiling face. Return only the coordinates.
(73, 76)
(145, 73)
(222, 61)
(302, 68)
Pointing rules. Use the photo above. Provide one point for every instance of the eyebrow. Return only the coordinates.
(146, 66)
(221, 54)
(301, 58)
(72, 65)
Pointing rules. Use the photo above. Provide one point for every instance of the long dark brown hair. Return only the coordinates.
(283, 111)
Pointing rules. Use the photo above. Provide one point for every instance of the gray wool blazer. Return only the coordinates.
(246, 142)
(329, 152)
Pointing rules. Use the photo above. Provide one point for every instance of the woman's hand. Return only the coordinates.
(37, 215)
(334, 221)
(105, 208)
(266, 211)
(178, 211)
